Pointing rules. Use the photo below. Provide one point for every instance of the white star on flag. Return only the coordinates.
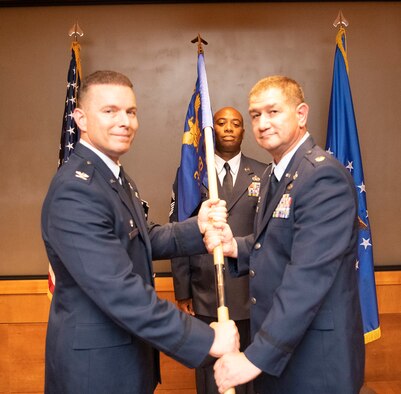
(365, 243)
(362, 187)
(350, 166)
(328, 150)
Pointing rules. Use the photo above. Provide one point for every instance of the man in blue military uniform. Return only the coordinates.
(106, 320)
(306, 326)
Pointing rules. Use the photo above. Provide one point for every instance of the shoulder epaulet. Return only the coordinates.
(317, 157)
(84, 171)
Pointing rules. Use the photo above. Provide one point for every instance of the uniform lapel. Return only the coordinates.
(133, 204)
(288, 177)
(264, 188)
(244, 179)
(140, 214)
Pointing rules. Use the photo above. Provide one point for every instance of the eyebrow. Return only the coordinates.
(234, 119)
(259, 108)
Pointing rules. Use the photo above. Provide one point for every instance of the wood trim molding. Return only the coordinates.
(388, 278)
(10, 287)
(164, 284)
(40, 286)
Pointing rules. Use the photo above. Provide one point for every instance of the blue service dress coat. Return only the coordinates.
(106, 321)
(306, 326)
(194, 276)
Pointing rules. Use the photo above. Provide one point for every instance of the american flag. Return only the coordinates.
(69, 130)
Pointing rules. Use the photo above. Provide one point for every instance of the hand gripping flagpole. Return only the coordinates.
(218, 256)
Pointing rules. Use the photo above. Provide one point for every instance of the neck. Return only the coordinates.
(226, 156)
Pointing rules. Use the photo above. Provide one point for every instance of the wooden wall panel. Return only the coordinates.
(4, 359)
(26, 356)
(388, 285)
(24, 309)
(383, 357)
(175, 376)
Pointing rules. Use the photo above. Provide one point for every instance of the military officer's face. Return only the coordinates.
(229, 130)
(107, 118)
(278, 123)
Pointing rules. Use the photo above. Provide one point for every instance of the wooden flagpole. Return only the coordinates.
(218, 256)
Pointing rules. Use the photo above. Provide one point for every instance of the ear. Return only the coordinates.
(302, 113)
(80, 118)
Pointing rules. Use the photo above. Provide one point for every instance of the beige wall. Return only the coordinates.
(151, 44)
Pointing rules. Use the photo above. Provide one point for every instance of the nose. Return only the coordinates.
(228, 128)
(264, 122)
(123, 119)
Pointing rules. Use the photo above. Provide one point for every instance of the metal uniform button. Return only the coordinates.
(251, 273)
(257, 245)
(253, 300)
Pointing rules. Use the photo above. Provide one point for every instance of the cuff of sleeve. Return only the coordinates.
(267, 357)
(194, 351)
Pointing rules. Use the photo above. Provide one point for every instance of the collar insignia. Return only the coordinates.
(81, 175)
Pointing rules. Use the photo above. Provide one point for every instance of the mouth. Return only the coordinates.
(265, 135)
(122, 136)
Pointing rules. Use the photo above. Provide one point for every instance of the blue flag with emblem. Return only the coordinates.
(69, 130)
(192, 170)
(342, 142)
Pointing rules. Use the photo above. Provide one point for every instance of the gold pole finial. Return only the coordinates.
(200, 41)
(340, 20)
(75, 31)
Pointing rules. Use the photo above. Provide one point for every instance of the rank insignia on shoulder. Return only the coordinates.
(81, 175)
(254, 189)
(319, 158)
